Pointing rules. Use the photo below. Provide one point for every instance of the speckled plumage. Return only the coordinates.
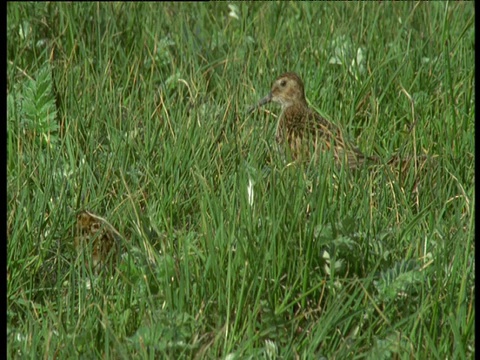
(99, 240)
(301, 127)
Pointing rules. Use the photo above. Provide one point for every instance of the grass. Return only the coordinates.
(137, 113)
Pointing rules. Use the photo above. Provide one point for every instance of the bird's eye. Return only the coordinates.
(283, 83)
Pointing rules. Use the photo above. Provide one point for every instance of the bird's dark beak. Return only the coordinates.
(262, 102)
(265, 100)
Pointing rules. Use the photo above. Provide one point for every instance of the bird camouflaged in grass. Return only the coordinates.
(97, 239)
(300, 127)
(306, 131)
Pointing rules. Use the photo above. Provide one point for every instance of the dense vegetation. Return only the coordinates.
(137, 113)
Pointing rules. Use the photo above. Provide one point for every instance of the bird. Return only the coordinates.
(97, 239)
(303, 129)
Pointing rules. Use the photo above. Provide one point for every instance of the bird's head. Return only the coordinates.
(287, 90)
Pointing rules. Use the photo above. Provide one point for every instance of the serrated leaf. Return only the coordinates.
(38, 108)
(401, 278)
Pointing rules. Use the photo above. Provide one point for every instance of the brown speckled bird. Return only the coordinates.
(99, 240)
(301, 127)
